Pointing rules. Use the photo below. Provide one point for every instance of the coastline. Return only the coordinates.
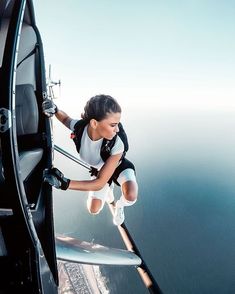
(80, 278)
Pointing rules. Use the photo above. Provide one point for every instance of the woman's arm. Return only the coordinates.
(50, 109)
(63, 117)
(104, 175)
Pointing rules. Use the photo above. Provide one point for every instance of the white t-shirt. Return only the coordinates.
(90, 150)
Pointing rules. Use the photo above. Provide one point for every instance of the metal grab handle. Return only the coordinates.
(70, 156)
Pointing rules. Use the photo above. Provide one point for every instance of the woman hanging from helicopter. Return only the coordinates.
(102, 143)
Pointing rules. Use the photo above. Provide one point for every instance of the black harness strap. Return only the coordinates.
(106, 146)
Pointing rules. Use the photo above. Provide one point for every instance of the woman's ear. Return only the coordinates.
(93, 123)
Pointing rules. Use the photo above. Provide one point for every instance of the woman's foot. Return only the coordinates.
(119, 216)
(110, 196)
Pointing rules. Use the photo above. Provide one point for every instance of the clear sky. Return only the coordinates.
(155, 56)
(150, 54)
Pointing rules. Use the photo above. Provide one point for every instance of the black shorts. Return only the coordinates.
(125, 164)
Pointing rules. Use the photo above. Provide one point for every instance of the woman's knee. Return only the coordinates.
(131, 197)
(94, 210)
(94, 206)
(130, 191)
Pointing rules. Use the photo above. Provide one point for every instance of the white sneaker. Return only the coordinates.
(119, 216)
(110, 197)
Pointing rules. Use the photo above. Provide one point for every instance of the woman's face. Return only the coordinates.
(108, 127)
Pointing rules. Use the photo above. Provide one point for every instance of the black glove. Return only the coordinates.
(49, 108)
(56, 178)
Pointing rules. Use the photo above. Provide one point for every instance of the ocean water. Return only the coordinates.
(184, 220)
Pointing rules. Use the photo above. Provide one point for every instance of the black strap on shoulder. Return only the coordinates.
(106, 148)
(77, 133)
(123, 137)
(107, 145)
